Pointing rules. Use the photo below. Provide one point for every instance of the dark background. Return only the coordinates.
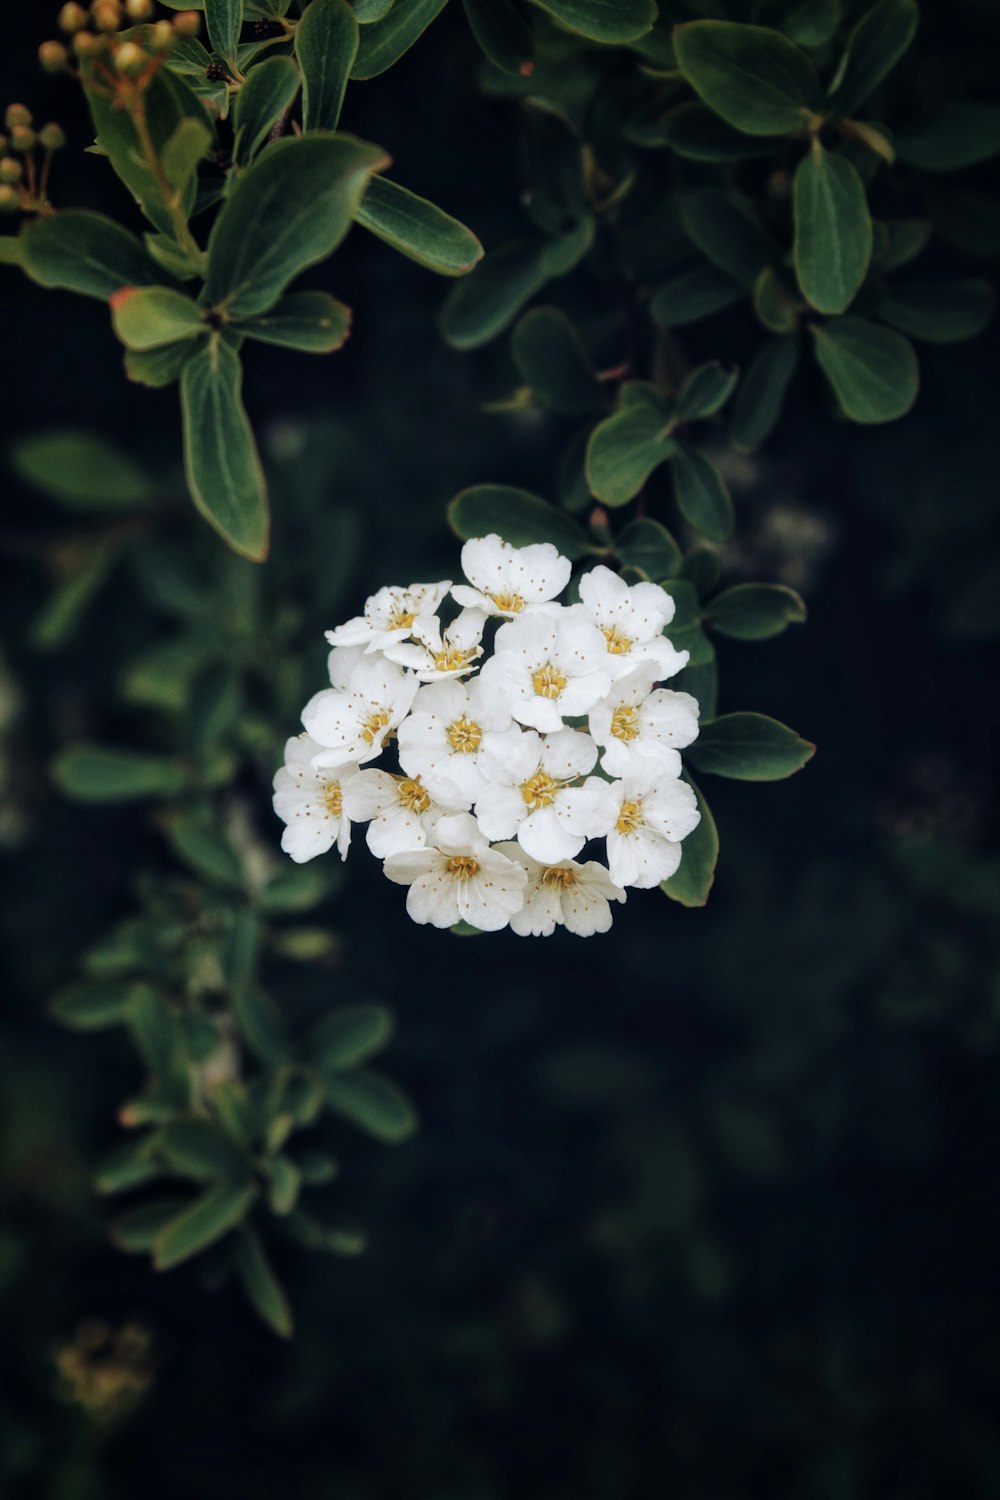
(706, 1207)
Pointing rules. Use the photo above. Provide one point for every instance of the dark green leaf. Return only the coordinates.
(288, 211)
(942, 312)
(326, 45)
(969, 221)
(220, 455)
(418, 229)
(874, 48)
(812, 23)
(224, 19)
(314, 322)
(696, 132)
(873, 371)
(150, 317)
(158, 367)
(756, 79)
(728, 232)
(702, 496)
(502, 33)
(195, 839)
(384, 43)
(373, 1104)
(264, 1291)
(704, 392)
(762, 393)
(613, 21)
(270, 89)
(906, 239)
(284, 1187)
(692, 295)
(482, 306)
(80, 470)
(749, 747)
(959, 135)
(551, 359)
(368, 11)
(626, 447)
(833, 229)
(84, 252)
(201, 1151)
(137, 1230)
(755, 611)
(517, 516)
(93, 773)
(92, 1007)
(11, 250)
(350, 1035)
(648, 546)
(702, 568)
(130, 1166)
(691, 883)
(210, 1217)
(775, 308)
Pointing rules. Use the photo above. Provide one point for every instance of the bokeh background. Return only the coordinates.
(705, 1208)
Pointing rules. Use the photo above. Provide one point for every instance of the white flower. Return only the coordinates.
(389, 616)
(437, 654)
(341, 664)
(442, 734)
(635, 723)
(311, 803)
(548, 667)
(401, 810)
(652, 812)
(631, 620)
(351, 725)
(460, 879)
(508, 579)
(527, 794)
(568, 894)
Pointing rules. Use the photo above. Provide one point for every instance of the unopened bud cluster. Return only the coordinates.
(95, 35)
(23, 175)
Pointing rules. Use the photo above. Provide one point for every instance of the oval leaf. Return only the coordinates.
(92, 773)
(959, 135)
(84, 252)
(517, 516)
(551, 359)
(481, 307)
(223, 469)
(756, 79)
(704, 392)
(270, 89)
(502, 33)
(149, 317)
(749, 747)
(873, 371)
(874, 48)
(314, 322)
(702, 497)
(383, 43)
(625, 448)
(942, 312)
(755, 611)
(80, 470)
(224, 18)
(326, 45)
(648, 546)
(694, 877)
(762, 394)
(351, 1035)
(418, 229)
(726, 230)
(613, 21)
(264, 1291)
(692, 295)
(373, 1104)
(210, 1217)
(833, 229)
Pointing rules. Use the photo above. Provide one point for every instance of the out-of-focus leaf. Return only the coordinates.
(612, 21)
(384, 42)
(264, 1291)
(647, 545)
(728, 232)
(502, 33)
(874, 48)
(942, 312)
(372, 1103)
(959, 135)
(94, 773)
(350, 1035)
(551, 359)
(761, 396)
(209, 1217)
(692, 295)
(701, 494)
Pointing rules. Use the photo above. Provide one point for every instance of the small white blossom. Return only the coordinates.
(436, 654)
(651, 812)
(636, 722)
(311, 803)
(442, 735)
(401, 810)
(566, 894)
(390, 616)
(460, 879)
(508, 579)
(528, 794)
(341, 664)
(548, 667)
(631, 620)
(352, 724)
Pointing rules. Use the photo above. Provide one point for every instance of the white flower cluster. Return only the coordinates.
(493, 797)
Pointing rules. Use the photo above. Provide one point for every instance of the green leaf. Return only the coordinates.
(702, 568)
(151, 1023)
(704, 392)
(83, 252)
(284, 1187)
(63, 609)
(326, 45)
(907, 238)
(186, 148)
(502, 33)
(833, 229)
(288, 211)
(726, 230)
(224, 18)
(749, 747)
(482, 306)
(942, 312)
(158, 367)
(551, 359)
(195, 839)
(762, 393)
(693, 879)
(211, 1216)
(701, 494)
(80, 470)
(874, 48)
(517, 516)
(137, 1230)
(373, 1104)
(648, 546)
(812, 23)
(692, 295)
(626, 447)
(314, 322)
(92, 1007)
(696, 132)
(93, 773)
(220, 455)
(129, 1166)
(756, 79)
(349, 1036)
(368, 11)
(150, 317)
(873, 371)
(200, 1150)
(959, 135)
(270, 89)
(755, 611)
(11, 250)
(773, 305)
(383, 44)
(418, 229)
(612, 21)
(264, 1291)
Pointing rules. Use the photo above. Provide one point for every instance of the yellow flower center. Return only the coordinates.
(548, 681)
(510, 604)
(625, 722)
(401, 619)
(539, 791)
(462, 867)
(333, 799)
(558, 875)
(414, 795)
(630, 817)
(453, 660)
(618, 644)
(464, 735)
(373, 726)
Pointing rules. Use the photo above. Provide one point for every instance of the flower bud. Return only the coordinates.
(17, 114)
(52, 136)
(107, 15)
(22, 139)
(85, 44)
(10, 199)
(72, 18)
(53, 56)
(10, 169)
(161, 37)
(130, 58)
(139, 10)
(187, 23)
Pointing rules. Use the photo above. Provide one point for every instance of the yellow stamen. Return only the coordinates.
(618, 644)
(453, 660)
(539, 791)
(462, 867)
(510, 604)
(625, 722)
(373, 726)
(333, 799)
(401, 619)
(548, 681)
(558, 875)
(630, 817)
(413, 795)
(464, 735)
